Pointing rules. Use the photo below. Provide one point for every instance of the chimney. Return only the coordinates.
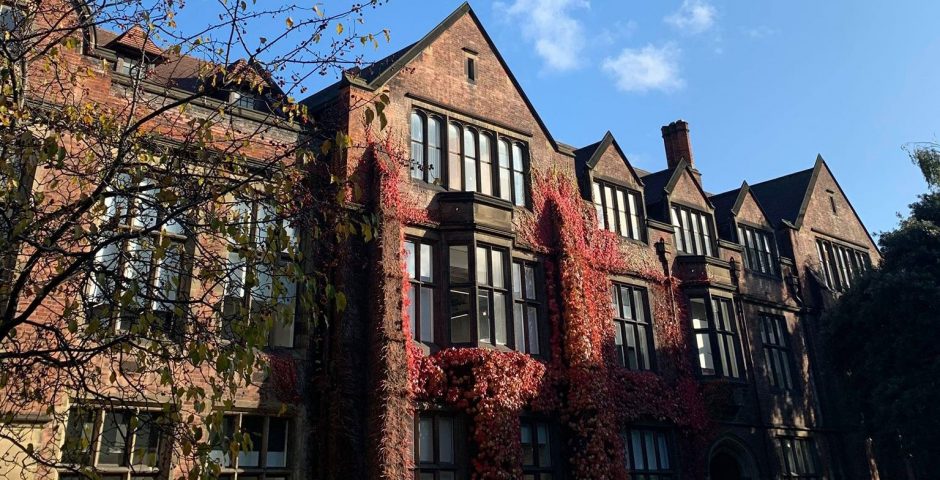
(678, 145)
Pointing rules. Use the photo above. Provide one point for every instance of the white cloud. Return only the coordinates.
(647, 68)
(762, 31)
(558, 36)
(694, 16)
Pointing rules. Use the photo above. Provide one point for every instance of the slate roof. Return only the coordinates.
(782, 197)
(655, 185)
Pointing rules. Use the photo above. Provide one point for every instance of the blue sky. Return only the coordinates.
(765, 86)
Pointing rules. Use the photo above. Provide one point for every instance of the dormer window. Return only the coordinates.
(247, 100)
(618, 209)
(759, 254)
(132, 67)
(693, 231)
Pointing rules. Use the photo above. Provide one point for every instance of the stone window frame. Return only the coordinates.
(126, 469)
(508, 164)
(629, 222)
(760, 249)
(234, 469)
(698, 234)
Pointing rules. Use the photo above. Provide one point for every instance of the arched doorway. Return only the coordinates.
(724, 467)
(730, 460)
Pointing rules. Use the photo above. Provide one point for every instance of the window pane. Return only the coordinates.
(499, 279)
(505, 173)
(686, 232)
(519, 325)
(427, 314)
(699, 313)
(530, 282)
(427, 265)
(626, 307)
(704, 346)
(412, 308)
(516, 280)
(445, 437)
(459, 264)
(544, 445)
(460, 315)
(146, 441)
(483, 315)
(486, 166)
(639, 305)
(528, 450)
(518, 189)
(417, 146)
(610, 210)
(694, 219)
(453, 157)
(533, 321)
(426, 439)
(622, 213)
(277, 442)
(434, 150)
(469, 161)
(114, 439)
(639, 461)
(410, 259)
(79, 433)
(482, 261)
(250, 454)
(634, 217)
(500, 317)
(677, 229)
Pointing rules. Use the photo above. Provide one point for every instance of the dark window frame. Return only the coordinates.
(720, 332)
(662, 438)
(687, 232)
(639, 324)
(841, 264)
(798, 458)
(760, 250)
(419, 286)
(777, 351)
(527, 306)
(436, 468)
(492, 289)
(626, 222)
(539, 468)
(424, 170)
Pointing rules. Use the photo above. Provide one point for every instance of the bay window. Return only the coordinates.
(633, 332)
(119, 444)
(259, 287)
(716, 337)
(419, 261)
(758, 246)
(618, 209)
(693, 231)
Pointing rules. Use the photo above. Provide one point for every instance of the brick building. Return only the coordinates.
(531, 309)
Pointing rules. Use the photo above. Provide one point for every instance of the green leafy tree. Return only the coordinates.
(884, 337)
(148, 211)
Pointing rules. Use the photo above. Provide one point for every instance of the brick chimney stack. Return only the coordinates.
(678, 145)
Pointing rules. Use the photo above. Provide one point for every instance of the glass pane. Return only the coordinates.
(518, 326)
(483, 315)
(434, 151)
(533, 321)
(622, 213)
(459, 264)
(486, 166)
(639, 305)
(482, 267)
(220, 440)
(453, 157)
(528, 452)
(79, 433)
(530, 282)
(686, 232)
(516, 280)
(412, 308)
(545, 457)
(705, 359)
(650, 451)
(518, 188)
(499, 278)
(114, 439)
(639, 461)
(610, 211)
(499, 317)
(426, 439)
(460, 315)
(634, 217)
(445, 435)
(277, 443)
(146, 441)
(250, 453)
(699, 313)
(427, 263)
(505, 180)
(695, 219)
(410, 259)
(469, 161)
(168, 278)
(677, 229)
(442, 475)
(517, 158)
(427, 314)
(642, 344)
(663, 451)
(626, 303)
(146, 215)
(630, 349)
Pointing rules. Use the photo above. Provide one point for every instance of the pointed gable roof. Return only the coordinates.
(136, 39)
(589, 156)
(728, 204)
(377, 74)
(785, 198)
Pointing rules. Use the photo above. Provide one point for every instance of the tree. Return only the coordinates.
(150, 189)
(883, 336)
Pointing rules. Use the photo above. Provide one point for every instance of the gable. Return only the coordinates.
(609, 163)
(685, 190)
(749, 211)
(842, 222)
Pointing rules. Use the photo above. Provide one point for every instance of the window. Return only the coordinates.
(832, 203)
(777, 355)
(152, 276)
(479, 161)
(527, 308)
(716, 337)
(647, 454)
(273, 292)
(841, 265)
(471, 70)
(420, 265)
(758, 250)
(262, 447)
(692, 230)
(798, 458)
(536, 450)
(438, 451)
(618, 210)
(12, 22)
(492, 295)
(132, 67)
(426, 148)
(633, 333)
(126, 444)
